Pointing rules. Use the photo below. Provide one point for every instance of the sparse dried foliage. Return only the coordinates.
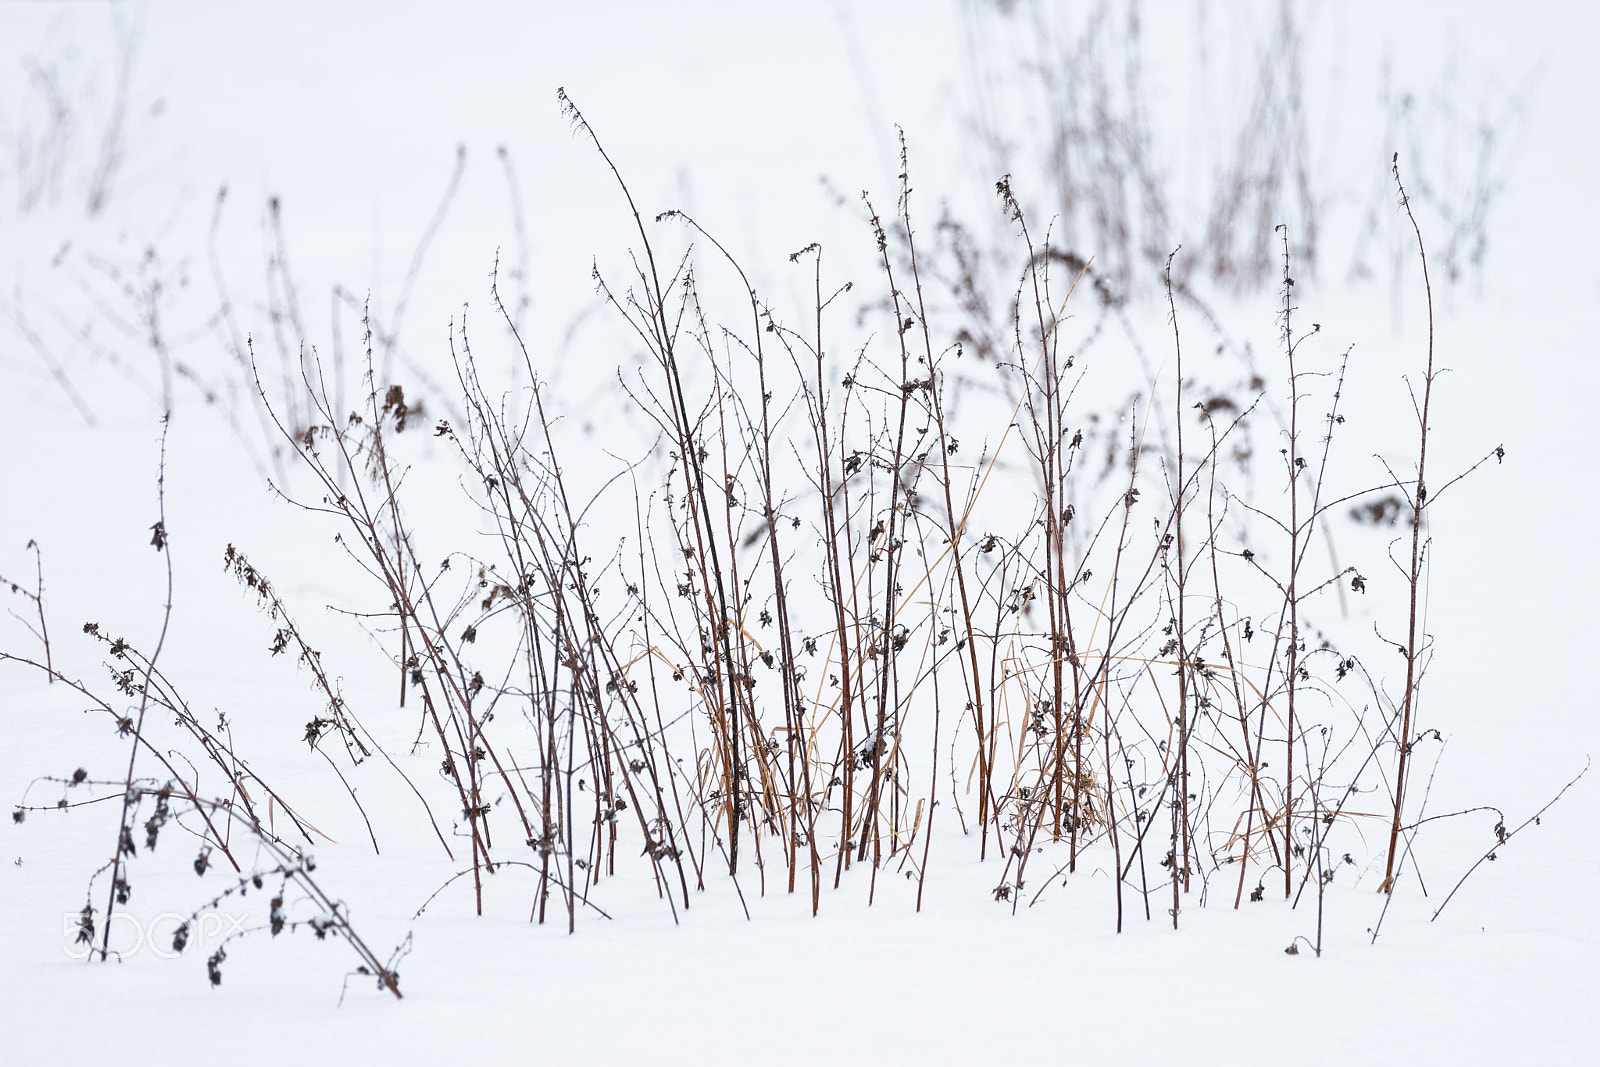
(865, 572)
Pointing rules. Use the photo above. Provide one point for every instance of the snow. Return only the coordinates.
(351, 116)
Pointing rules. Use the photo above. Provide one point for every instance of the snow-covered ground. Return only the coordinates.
(352, 118)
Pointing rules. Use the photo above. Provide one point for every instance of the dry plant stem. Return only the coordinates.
(347, 723)
(366, 521)
(1106, 726)
(213, 834)
(292, 864)
(1181, 801)
(297, 867)
(799, 814)
(162, 544)
(530, 554)
(1503, 835)
(955, 523)
(1050, 436)
(1418, 501)
(1289, 612)
(660, 334)
(1044, 399)
(541, 538)
(1291, 672)
(221, 753)
(836, 551)
(721, 618)
(817, 414)
(933, 761)
(37, 596)
(452, 681)
(672, 780)
(1328, 818)
(888, 677)
(953, 534)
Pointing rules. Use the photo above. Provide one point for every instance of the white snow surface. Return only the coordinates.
(351, 114)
